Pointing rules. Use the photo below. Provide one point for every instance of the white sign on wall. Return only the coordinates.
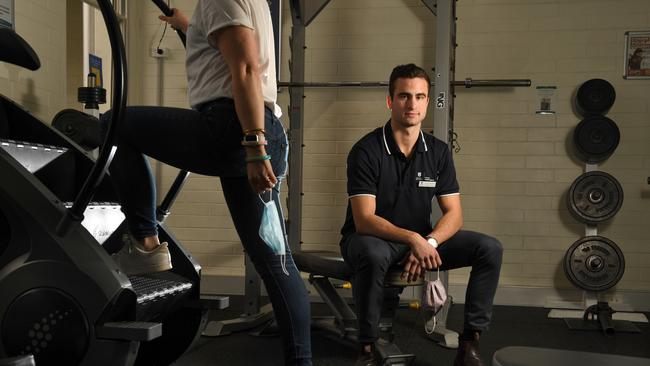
(7, 13)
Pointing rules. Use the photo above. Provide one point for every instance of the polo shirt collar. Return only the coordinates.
(389, 140)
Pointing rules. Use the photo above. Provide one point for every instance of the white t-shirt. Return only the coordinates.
(208, 75)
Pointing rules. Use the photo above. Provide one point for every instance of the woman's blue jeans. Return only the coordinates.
(208, 142)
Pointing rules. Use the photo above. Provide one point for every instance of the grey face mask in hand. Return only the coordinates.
(433, 299)
(271, 231)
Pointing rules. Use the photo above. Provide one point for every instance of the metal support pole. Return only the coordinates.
(254, 316)
(309, 10)
(431, 4)
(252, 285)
(443, 95)
(443, 125)
(296, 132)
(163, 210)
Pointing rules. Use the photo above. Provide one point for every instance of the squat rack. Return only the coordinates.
(303, 12)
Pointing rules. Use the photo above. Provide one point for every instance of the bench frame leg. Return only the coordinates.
(345, 321)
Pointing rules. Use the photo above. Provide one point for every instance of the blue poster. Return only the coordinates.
(95, 67)
(7, 14)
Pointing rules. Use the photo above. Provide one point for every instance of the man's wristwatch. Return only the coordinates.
(431, 240)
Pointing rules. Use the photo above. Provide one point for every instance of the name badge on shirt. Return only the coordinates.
(424, 181)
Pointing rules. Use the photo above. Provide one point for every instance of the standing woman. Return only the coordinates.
(232, 131)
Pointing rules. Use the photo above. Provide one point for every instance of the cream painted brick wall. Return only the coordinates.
(514, 167)
(552, 43)
(42, 92)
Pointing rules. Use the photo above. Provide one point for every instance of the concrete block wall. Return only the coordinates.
(514, 166)
(42, 92)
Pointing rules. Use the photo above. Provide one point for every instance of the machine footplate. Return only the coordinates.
(150, 289)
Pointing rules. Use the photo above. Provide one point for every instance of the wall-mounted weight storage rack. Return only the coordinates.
(595, 263)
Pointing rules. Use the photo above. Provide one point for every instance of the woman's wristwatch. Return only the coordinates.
(254, 140)
(431, 240)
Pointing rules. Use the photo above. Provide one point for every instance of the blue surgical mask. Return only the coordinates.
(271, 231)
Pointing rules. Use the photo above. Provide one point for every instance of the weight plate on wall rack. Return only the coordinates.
(595, 197)
(594, 97)
(594, 263)
(596, 138)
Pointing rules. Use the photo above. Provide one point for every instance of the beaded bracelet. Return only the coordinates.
(250, 159)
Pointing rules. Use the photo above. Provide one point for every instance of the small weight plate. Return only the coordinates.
(596, 138)
(595, 97)
(595, 197)
(594, 263)
(91, 95)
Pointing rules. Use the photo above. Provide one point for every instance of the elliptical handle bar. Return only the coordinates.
(74, 215)
(168, 12)
(163, 210)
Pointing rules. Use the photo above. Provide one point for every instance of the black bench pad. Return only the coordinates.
(327, 264)
(332, 265)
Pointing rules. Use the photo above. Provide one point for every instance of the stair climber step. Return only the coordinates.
(131, 331)
(211, 302)
(101, 219)
(32, 156)
(152, 289)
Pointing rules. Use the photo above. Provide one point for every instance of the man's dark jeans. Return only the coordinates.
(209, 142)
(370, 257)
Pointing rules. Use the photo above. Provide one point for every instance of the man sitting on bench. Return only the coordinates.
(393, 174)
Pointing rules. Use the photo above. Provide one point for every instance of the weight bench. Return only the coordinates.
(322, 266)
(532, 356)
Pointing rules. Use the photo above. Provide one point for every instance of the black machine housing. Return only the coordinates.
(62, 298)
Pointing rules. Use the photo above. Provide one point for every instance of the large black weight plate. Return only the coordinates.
(594, 97)
(594, 263)
(595, 197)
(596, 138)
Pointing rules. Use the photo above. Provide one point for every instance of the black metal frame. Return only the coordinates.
(163, 210)
(46, 251)
(323, 266)
(74, 214)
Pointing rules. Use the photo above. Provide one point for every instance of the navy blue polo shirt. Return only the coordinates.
(403, 187)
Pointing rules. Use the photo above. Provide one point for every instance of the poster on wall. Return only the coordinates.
(546, 94)
(7, 14)
(637, 55)
(95, 67)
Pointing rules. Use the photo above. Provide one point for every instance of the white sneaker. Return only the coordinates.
(133, 259)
